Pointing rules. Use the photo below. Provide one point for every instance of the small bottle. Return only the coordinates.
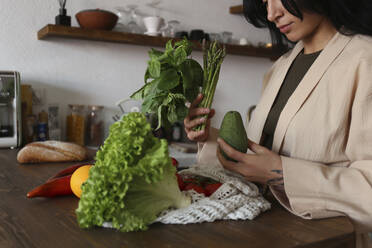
(30, 129)
(95, 127)
(42, 126)
(75, 124)
(177, 132)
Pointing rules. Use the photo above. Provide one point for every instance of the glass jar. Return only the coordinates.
(76, 124)
(94, 134)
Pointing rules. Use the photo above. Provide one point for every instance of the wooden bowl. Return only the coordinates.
(97, 19)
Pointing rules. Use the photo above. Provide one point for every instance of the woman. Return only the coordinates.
(311, 132)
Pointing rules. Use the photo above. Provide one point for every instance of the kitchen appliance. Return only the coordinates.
(10, 109)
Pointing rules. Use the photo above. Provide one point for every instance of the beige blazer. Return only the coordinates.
(324, 133)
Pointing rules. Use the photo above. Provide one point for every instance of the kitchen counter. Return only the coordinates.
(49, 223)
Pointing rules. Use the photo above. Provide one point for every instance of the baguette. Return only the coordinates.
(51, 151)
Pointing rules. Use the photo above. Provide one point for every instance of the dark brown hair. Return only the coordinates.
(347, 16)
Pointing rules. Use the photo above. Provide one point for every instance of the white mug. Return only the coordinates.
(153, 23)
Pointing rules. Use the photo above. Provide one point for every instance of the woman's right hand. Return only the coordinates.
(194, 118)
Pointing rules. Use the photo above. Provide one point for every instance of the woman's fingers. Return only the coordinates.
(212, 112)
(197, 112)
(190, 121)
(256, 148)
(197, 100)
(230, 152)
(237, 167)
(195, 117)
(226, 163)
(190, 124)
(196, 136)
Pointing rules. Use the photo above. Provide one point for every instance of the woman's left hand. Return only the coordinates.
(264, 166)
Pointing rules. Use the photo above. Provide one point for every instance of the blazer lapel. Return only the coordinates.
(310, 80)
(269, 94)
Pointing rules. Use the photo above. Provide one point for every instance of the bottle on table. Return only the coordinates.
(95, 126)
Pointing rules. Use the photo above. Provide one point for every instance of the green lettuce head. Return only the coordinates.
(132, 181)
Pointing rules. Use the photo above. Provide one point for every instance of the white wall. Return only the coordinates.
(88, 72)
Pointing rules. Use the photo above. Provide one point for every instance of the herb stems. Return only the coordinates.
(213, 57)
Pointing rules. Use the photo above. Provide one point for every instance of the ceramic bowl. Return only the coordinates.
(97, 19)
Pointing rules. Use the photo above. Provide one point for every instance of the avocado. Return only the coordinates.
(232, 131)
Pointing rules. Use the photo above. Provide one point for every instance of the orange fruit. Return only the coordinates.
(78, 178)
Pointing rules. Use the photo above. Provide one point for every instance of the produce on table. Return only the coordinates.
(201, 185)
(132, 181)
(213, 56)
(195, 187)
(232, 131)
(210, 188)
(69, 170)
(54, 187)
(181, 184)
(172, 78)
(174, 162)
(78, 178)
(57, 185)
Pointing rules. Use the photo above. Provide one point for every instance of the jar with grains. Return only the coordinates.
(76, 124)
(94, 134)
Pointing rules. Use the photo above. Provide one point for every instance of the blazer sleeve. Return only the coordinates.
(317, 190)
(207, 150)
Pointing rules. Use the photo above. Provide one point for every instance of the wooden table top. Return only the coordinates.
(52, 222)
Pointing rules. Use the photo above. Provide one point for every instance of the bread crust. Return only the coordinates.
(51, 151)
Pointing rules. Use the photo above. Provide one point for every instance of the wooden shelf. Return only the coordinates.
(50, 31)
(236, 10)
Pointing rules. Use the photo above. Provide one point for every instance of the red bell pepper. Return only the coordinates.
(211, 188)
(195, 187)
(53, 187)
(181, 183)
(174, 162)
(68, 171)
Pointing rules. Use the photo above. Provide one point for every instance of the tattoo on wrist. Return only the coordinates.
(280, 172)
(275, 181)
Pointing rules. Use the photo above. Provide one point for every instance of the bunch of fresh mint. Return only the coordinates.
(172, 79)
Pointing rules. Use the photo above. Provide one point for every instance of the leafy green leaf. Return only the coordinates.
(172, 114)
(168, 79)
(160, 116)
(146, 90)
(197, 72)
(182, 110)
(154, 68)
(186, 44)
(169, 47)
(152, 102)
(147, 75)
(173, 101)
(180, 55)
(155, 54)
(192, 74)
(139, 94)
